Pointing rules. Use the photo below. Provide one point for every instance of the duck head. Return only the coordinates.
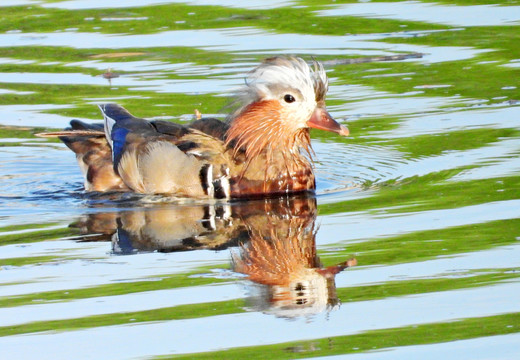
(282, 98)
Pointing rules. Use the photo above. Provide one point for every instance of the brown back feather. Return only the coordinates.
(94, 157)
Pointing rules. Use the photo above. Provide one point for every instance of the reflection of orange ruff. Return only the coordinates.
(274, 261)
(289, 267)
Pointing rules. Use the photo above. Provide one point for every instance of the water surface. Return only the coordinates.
(409, 249)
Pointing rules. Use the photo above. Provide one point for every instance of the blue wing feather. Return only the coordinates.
(118, 143)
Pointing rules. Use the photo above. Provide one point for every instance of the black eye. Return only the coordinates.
(289, 98)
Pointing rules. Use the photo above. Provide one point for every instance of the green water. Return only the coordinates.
(424, 194)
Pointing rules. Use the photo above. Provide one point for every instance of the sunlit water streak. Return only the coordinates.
(449, 266)
(491, 117)
(87, 272)
(496, 155)
(132, 82)
(6, 3)
(369, 226)
(352, 166)
(503, 347)
(243, 40)
(221, 332)
(507, 166)
(385, 104)
(100, 305)
(32, 115)
(455, 15)
(33, 178)
(100, 4)
(458, 266)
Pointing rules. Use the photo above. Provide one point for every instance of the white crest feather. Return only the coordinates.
(274, 74)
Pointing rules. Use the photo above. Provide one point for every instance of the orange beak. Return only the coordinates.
(322, 120)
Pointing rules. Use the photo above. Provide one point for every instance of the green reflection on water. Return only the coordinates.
(191, 311)
(373, 340)
(468, 82)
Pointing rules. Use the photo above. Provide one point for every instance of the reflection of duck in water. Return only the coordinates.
(163, 228)
(276, 239)
(181, 227)
(283, 262)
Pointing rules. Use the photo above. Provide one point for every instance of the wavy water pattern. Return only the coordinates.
(409, 248)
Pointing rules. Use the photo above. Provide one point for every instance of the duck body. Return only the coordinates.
(263, 149)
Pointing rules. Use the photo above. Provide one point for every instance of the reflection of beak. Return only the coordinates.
(331, 271)
(321, 119)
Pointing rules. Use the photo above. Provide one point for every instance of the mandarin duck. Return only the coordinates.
(263, 149)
